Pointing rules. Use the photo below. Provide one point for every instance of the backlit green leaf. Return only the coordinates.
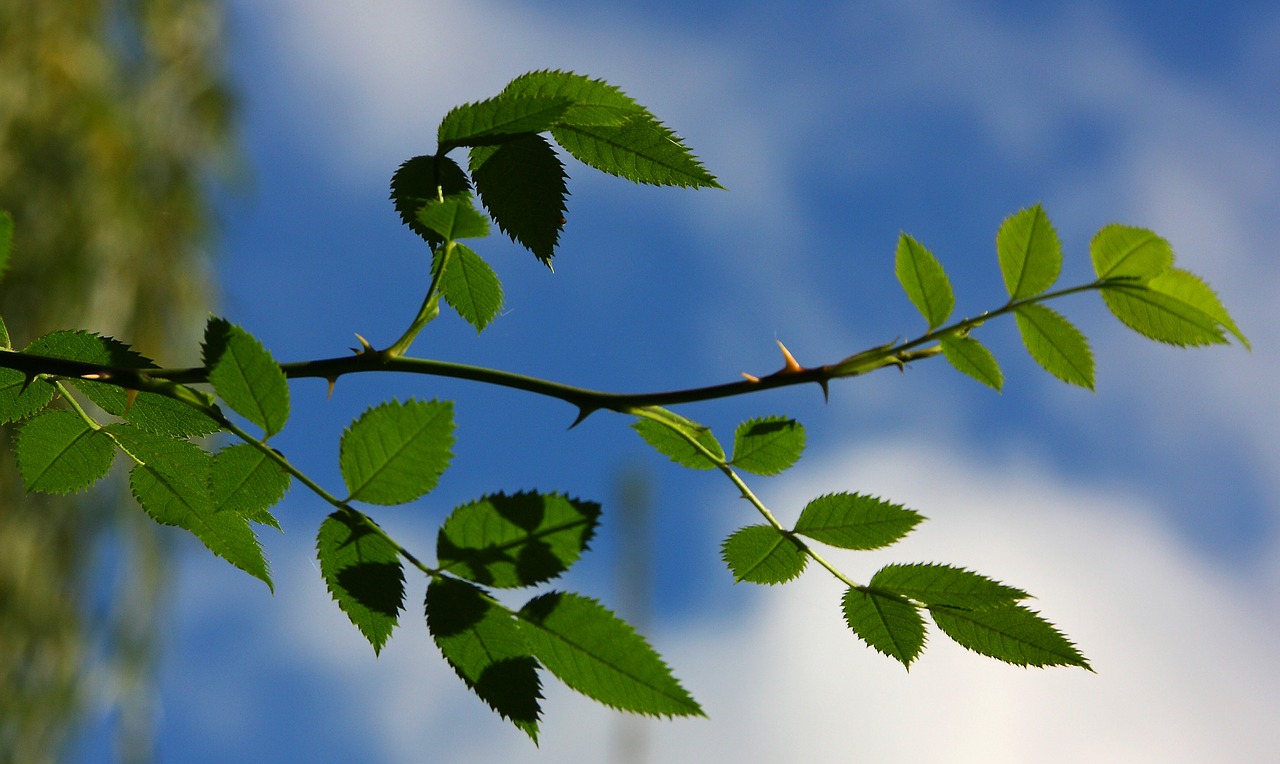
(934, 584)
(642, 150)
(363, 572)
(522, 184)
(470, 286)
(423, 179)
(924, 281)
(454, 217)
(854, 521)
(592, 102)
(245, 375)
(486, 647)
(1120, 251)
(1030, 253)
(886, 622)
(675, 446)
(396, 452)
(498, 118)
(1056, 344)
(594, 652)
(510, 541)
(1010, 633)
(20, 398)
(971, 357)
(4, 336)
(761, 554)
(1175, 307)
(58, 452)
(6, 240)
(245, 481)
(767, 446)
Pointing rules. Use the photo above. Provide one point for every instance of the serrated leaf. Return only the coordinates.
(453, 217)
(855, 521)
(596, 653)
(1175, 307)
(497, 119)
(423, 179)
(641, 149)
(20, 397)
(396, 452)
(767, 446)
(592, 102)
(470, 286)
(924, 281)
(1120, 251)
(761, 554)
(675, 446)
(886, 622)
(245, 376)
(59, 452)
(1030, 253)
(245, 481)
(171, 482)
(971, 357)
(934, 584)
(487, 649)
(522, 184)
(510, 541)
(363, 573)
(6, 240)
(1056, 344)
(1010, 633)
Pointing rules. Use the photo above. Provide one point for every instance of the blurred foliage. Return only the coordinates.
(115, 117)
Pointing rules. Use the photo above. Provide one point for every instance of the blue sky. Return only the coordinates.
(1144, 517)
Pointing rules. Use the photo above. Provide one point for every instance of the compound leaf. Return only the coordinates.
(486, 647)
(396, 452)
(1120, 251)
(497, 119)
(470, 286)
(594, 652)
(1010, 633)
(641, 149)
(768, 445)
(59, 452)
(971, 357)
(855, 521)
(935, 584)
(675, 446)
(761, 554)
(1175, 307)
(1030, 253)
(522, 184)
(1056, 344)
(245, 375)
(363, 572)
(453, 217)
(245, 481)
(924, 281)
(512, 541)
(885, 621)
(425, 179)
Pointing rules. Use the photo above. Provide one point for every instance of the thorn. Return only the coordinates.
(93, 377)
(790, 366)
(365, 348)
(583, 413)
(332, 381)
(130, 396)
(26, 382)
(750, 377)
(826, 394)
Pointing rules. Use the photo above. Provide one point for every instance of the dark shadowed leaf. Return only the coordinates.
(363, 572)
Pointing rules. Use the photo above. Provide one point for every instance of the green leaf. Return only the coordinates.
(945, 585)
(511, 541)
(362, 570)
(496, 119)
(1056, 344)
(470, 286)
(971, 357)
(486, 647)
(245, 481)
(59, 452)
(885, 621)
(761, 554)
(171, 482)
(396, 452)
(924, 281)
(4, 336)
(424, 179)
(854, 521)
(522, 184)
(453, 217)
(6, 240)
(245, 375)
(20, 397)
(1010, 633)
(767, 446)
(1030, 253)
(642, 150)
(1120, 251)
(675, 446)
(1175, 307)
(592, 102)
(594, 652)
